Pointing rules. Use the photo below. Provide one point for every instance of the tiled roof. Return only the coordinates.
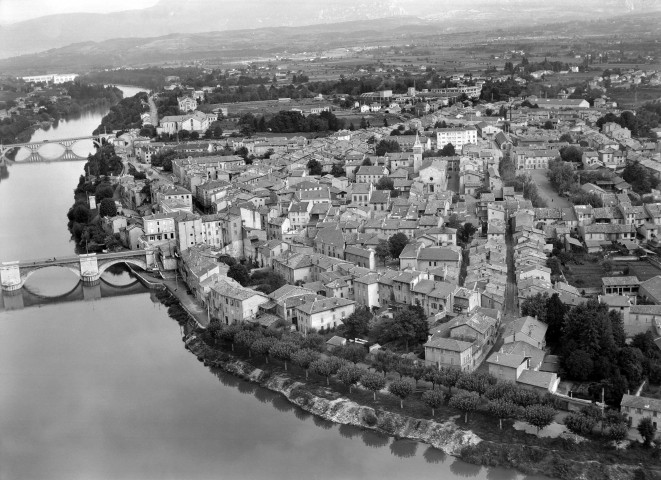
(644, 403)
(448, 344)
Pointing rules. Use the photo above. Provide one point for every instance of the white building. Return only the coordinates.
(458, 137)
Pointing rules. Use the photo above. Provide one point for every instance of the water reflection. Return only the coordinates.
(501, 474)
(375, 439)
(281, 404)
(349, 431)
(301, 414)
(52, 282)
(322, 422)
(434, 455)
(404, 448)
(462, 469)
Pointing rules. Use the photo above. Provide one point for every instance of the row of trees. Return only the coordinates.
(290, 122)
(564, 180)
(125, 115)
(473, 390)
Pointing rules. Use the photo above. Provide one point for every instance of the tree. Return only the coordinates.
(385, 183)
(465, 233)
(571, 153)
(353, 353)
(561, 175)
(387, 146)
(409, 325)
(366, 162)
(337, 170)
(350, 375)
(450, 377)
(245, 338)
(385, 361)
(304, 358)
(230, 332)
(500, 391)
(103, 191)
(466, 402)
(447, 150)
(579, 423)
(554, 264)
(325, 368)
(373, 382)
(618, 432)
(262, 345)
(356, 324)
(433, 399)
(502, 408)
(401, 389)
(239, 272)
(382, 250)
(535, 306)
(475, 382)
(566, 137)
(397, 243)
(434, 376)
(107, 208)
(454, 222)
(647, 430)
(548, 125)
(283, 350)
(555, 316)
(314, 167)
(539, 416)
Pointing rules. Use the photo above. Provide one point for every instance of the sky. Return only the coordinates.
(12, 11)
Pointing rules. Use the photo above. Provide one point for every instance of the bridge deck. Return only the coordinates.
(55, 261)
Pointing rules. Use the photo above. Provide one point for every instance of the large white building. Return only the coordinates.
(52, 77)
(458, 137)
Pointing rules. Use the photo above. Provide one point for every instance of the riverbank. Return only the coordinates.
(482, 444)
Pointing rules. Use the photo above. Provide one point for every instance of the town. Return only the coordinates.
(495, 238)
(413, 238)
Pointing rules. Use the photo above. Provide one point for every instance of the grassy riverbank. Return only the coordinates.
(481, 441)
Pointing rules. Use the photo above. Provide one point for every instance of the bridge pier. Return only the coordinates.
(89, 269)
(10, 276)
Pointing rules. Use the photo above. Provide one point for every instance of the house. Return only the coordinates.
(638, 407)
(363, 257)
(650, 290)
(528, 330)
(627, 285)
(370, 174)
(506, 367)
(187, 104)
(641, 319)
(431, 257)
(448, 352)
(323, 313)
(366, 290)
(232, 303)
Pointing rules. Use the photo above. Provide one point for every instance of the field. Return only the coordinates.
(589, 274)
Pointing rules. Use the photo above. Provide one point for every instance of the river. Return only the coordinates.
(104, 389)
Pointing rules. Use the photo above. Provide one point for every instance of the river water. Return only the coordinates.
(104, 389)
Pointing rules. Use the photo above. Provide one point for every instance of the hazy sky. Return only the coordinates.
(12, 11)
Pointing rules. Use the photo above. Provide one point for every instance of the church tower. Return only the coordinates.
(417, 154)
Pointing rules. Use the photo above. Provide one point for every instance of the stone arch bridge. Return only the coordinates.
(88, 267)
(66, 143)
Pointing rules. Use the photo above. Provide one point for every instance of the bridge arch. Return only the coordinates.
(132, 261)
(72, 268)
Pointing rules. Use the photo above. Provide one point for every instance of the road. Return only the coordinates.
(546, 191)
